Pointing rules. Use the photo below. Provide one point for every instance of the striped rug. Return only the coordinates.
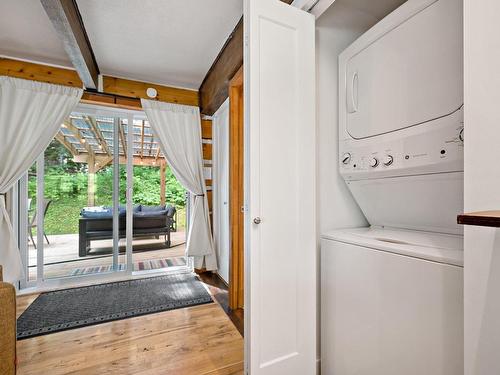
(145, 265)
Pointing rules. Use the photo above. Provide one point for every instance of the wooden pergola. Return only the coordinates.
(90, 140)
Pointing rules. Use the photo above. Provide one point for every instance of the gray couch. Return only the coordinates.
(148, 221)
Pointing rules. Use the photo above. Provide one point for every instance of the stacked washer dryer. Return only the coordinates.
(392, 299)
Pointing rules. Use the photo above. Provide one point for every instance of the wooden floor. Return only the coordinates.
(194, 340)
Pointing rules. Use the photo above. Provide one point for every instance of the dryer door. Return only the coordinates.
(403, 73)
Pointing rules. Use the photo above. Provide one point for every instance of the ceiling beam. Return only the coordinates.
(214, 89)
(67, 21)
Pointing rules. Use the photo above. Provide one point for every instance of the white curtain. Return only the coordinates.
(30, 116)
(178, 129)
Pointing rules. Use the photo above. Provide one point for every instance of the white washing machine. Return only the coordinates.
(391, 303)
(391, 294)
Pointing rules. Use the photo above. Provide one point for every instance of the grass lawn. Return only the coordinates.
(63, 214)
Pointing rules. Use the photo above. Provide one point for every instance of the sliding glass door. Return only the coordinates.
(79, 215)
(75, 216)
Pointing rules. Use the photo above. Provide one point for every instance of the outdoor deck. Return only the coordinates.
(61, 255)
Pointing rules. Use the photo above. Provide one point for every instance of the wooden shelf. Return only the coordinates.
(480, 218)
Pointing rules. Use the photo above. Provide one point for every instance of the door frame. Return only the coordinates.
(236, 192)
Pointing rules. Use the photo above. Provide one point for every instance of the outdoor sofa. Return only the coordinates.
(96, 223)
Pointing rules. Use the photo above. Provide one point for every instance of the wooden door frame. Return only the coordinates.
(236, 190)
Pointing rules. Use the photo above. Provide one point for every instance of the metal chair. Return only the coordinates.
(32, 222)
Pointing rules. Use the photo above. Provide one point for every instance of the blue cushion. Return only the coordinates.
(152, 208)
(151, 213)
(106, 213)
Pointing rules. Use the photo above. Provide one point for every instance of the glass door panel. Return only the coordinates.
(80, 213)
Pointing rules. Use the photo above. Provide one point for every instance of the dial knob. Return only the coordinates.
(388, 159)
(373, 162)
(346, 158)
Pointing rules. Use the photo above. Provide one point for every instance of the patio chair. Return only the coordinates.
(32, 221)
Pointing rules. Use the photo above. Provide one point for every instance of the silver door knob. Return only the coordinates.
(256, 220)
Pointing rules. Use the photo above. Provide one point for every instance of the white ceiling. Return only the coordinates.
(27, 33)
(171, 42)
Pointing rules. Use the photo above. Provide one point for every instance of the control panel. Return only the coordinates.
(433, 147)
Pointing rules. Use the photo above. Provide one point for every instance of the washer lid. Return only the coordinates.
(442, 248)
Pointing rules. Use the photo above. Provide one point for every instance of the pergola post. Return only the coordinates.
(91, 182)
(162, 182)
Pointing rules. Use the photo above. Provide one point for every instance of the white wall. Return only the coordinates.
(338, 27)
(482, 185)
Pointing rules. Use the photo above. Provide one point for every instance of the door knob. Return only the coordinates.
(256, 220)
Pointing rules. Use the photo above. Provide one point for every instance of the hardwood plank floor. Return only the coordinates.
(194, 340)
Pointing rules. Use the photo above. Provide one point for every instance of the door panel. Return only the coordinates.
(281, 250)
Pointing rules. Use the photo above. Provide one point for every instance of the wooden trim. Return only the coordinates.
(67, 22)
(122, 93)
(136, 89)
(38, 72)
(206, 129)
(236, 191)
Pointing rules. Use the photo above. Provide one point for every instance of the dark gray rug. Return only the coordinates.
(78, 307)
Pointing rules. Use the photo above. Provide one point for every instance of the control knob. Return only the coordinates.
(388, 159)
(373, 162)
(346, 158)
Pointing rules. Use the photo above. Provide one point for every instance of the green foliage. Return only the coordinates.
(66, 185)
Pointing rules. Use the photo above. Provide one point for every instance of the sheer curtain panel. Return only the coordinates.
(178, 128)
(30, 116)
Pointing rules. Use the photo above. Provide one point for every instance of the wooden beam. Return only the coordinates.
(78, 136)
(214, 88)
(137, 89)
(62, 140)
(93, 124)
(123, 93)
(157, 152)
(100, 163)
(38, 72)
(101, 159)
(67, 22)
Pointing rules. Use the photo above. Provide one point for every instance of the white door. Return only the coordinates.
(280, 232)
(221, 188)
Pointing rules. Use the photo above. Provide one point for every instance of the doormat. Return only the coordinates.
(143, 265)
(79, 307)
